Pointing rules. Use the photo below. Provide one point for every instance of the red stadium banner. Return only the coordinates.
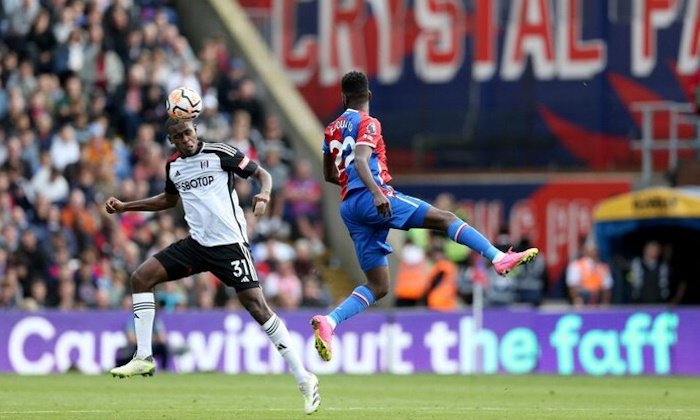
(555, 215)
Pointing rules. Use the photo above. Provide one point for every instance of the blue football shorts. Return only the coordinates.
(369, 230)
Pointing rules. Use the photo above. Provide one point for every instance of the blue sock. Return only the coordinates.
(360, 299)
(460, 232)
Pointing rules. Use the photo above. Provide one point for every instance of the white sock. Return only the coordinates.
(144, 312)
(279, 335)
(331, 321)
(498, 257)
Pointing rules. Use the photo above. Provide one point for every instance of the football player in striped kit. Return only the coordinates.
(354, 157)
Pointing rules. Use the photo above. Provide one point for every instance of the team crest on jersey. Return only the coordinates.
(204, 164)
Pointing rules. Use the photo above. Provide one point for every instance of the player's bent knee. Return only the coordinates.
(439, 219)
(379, 289)
(140, 282)
(254, 302)
(147, 275)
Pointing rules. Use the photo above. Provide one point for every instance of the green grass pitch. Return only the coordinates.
(218, 396)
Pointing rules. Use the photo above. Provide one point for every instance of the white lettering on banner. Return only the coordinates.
(390, 44)
(368, 352)
(689, 53)
(528, 34)
(439, 340)
(576, 59)
(485, 37)
(239, 340)
(341, 39)
(397, 341)
(69, 343)
(360, 353)
(547, 33)
(254, 342)
(84, 343)
(439, 46)
(300, 58)
(22, 331)
(232, 352)
(111, 342)
(567, 222)
(472, 360)
(204, 351)
(595, 351)
(647, 17)
(523, 222)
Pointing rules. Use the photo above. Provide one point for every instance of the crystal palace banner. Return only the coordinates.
(614, 342)
(563, 74)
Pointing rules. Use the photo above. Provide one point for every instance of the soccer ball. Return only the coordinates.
(183, 103)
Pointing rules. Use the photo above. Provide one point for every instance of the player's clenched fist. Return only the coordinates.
(113, 205)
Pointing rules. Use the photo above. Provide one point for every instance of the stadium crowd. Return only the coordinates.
(83, 86)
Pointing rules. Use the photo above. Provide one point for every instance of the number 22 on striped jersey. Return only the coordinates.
(339, 149)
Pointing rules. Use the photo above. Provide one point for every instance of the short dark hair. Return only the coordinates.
(173, 121)
(355, 85)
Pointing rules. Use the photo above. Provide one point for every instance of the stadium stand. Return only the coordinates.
(83, 85)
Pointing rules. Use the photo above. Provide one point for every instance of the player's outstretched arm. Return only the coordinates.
(158, 202)
(330, 171)
(362, 155)
(261, 199)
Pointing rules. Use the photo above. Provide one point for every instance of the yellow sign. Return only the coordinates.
(649, 203)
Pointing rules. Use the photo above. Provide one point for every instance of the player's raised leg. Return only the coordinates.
(461, 232)
(146, 276)
(253, 300)
(360, 299)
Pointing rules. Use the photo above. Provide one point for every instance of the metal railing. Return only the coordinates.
(679, 114)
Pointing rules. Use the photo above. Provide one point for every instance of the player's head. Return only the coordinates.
(355, 89)
(183, 135)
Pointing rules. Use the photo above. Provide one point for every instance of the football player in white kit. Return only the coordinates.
(202, 174)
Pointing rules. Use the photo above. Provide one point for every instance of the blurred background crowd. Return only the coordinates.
(82, 90)
(83, 86)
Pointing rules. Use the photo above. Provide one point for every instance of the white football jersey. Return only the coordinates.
(205, 183)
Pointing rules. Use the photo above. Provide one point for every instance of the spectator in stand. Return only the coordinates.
(48, 182)
(10, 289)
(412, 280)
(65, 149)
(650, 276)
(129, 101)
(441, 293)
(244, 137)
(303, 196)
(247, 100)
(32, 260)
(530, 279)
(20, 16)
(280, 178)
(283, 288)
(314, 295)
(42, 42)
(304, 255)
(229, 83)
(588, 278)
(212, 124)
